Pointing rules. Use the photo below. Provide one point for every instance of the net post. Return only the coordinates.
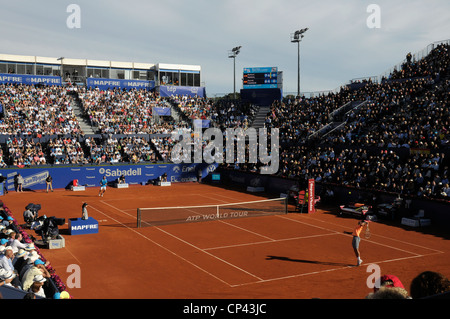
(286, 205)
(138, 218)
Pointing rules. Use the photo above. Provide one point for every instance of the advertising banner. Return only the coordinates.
(192, 91)
(30, 79)
(78, 226)
(90, 176)
(162, 111)
(105, 84)
(311, 196)
(202, 123)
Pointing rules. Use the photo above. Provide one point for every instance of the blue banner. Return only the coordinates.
(30, 79)
(202, 123)
(261, 70)
(90, 176)
(105, 84)
(192, 91)
(163, 111)
(78, 226)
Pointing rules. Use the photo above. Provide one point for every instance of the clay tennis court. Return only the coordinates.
(293, 256)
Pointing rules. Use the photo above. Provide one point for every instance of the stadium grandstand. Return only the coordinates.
(389, 136)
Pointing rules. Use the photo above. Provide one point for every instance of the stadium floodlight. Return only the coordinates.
(232, 54)
(297, 37)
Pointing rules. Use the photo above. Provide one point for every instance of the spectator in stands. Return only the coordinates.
(11, 236)
(3, 243)
(37, 286)
(20, 260)
(7, 222)
(7, 277)
(429, 283)
(389, 293)
(30, 258)
(388, 281)
(38, 268)
(16, 242)
(29, 295)
(3, 229)
(6, 263)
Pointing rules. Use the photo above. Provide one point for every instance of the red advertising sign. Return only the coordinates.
(311, 196)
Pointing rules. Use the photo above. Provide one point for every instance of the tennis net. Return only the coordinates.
(158, 216)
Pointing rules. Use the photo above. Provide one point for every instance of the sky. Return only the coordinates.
(340, 45)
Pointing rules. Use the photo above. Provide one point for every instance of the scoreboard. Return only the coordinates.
(261, 78)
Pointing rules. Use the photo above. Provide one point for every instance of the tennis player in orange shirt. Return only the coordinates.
(356, 239)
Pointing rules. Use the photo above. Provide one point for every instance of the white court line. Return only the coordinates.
(377, 235)
(292, 276)
(390, 238)
(371, 241)
(271, 240)
(120, 210)
(192, 245)
(414, 255)
(165, 248)
(329, 270)
(209, 254)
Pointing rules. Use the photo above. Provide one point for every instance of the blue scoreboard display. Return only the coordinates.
(261, 78)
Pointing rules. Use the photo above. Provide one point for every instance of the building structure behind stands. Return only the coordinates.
(166, 79)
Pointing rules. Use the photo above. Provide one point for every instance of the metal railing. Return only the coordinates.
(414, 57)
(377, 79)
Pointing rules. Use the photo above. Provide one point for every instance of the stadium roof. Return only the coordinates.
(97, 63)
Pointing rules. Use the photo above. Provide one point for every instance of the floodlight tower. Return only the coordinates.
(297, 37)
(232, 55)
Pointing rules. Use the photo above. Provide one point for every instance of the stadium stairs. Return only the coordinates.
(178, 115)
(260, 117)
(338, 119)
(79, 114)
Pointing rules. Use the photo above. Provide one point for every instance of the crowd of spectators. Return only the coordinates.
(233, 113)
(221, 114)
(23, 152)
(426, 285)
(396, 140)
(116, 111)
(66, 150)
(434, 64)
(36, 111)
(21, 264)
(33, 112)
(419, 174)
(408, 110)
(131, 149)
(136, 149)
(194, 108)
(415, 116)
